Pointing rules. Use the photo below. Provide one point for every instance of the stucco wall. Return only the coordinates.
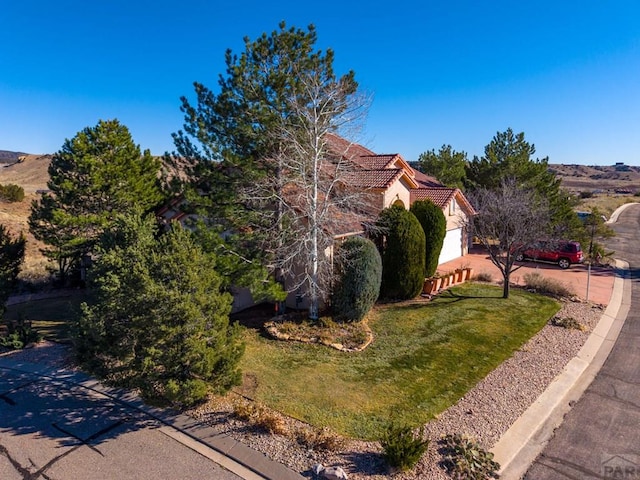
(456, 218)
(398, 191)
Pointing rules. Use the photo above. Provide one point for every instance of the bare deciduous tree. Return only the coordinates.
(310, 199)
(509, 219)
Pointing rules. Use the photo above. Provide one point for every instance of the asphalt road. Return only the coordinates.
(57, 431)
(600, 436)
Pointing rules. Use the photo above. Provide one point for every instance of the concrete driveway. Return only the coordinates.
(595, 284)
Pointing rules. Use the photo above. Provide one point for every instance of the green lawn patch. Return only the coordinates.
(50, 317)
(425, 356)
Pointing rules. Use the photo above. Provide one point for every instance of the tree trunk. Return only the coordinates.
(505, 287)
(313, 304)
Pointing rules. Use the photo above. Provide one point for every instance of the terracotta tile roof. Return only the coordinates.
(381, 178)
(441, 196)
(346, 149)
(425, 180)
(376, 162)
(375, 171)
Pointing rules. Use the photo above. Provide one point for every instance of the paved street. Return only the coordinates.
(59, 431)
(600, 436)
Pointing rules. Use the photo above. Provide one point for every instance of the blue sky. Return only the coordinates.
(567, 73)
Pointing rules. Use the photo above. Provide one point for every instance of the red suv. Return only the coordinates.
(562, 252)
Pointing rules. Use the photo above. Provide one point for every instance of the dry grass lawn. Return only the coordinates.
(607, 204)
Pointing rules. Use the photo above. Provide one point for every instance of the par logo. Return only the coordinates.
(620, 466)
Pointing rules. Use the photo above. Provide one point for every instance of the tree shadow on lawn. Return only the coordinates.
(446, 297)
(254, 317)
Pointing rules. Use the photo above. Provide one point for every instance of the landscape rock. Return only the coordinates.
(334, 473)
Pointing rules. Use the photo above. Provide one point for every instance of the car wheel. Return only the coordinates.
(564, 263)
(519, 257)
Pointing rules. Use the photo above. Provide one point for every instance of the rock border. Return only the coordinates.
(272, 330)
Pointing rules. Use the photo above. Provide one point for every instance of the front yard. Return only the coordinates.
(424, 357)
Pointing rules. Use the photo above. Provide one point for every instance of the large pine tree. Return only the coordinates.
(510, 157)
(259, 153)
(160, 317)
(97, 174)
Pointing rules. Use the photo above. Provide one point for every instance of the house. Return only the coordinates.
(385, 180)
(457, 210)
(397, 183)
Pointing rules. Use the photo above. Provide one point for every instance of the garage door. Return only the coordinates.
(452, 246)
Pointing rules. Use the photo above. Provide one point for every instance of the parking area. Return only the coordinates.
(594, 285)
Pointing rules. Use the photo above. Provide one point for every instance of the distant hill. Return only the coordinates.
(32, 173)
(618, 178)
(9, 157)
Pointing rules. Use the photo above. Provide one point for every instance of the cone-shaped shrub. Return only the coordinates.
(359, 271)
(434, 225)
(402, 244)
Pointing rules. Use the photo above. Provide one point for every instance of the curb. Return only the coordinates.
(526, 438)
(619, 210)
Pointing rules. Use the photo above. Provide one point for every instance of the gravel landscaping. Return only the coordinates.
(485, 412)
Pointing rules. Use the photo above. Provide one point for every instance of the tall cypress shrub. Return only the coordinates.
(434, 225)
(359, 271)
(402, 245)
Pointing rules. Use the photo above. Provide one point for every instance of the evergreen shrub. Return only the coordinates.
(402, 448)
(359, 270)
(402, 243)
(434, 225)
(11, 193)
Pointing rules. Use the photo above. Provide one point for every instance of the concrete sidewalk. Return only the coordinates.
(236, 457)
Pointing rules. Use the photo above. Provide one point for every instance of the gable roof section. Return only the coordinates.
(380, 172)
(346, 149)
(375, 162)
(442, 196)
(425, 180)
(376, 179)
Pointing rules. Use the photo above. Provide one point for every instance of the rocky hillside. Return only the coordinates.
(30, 172)
(9, 157)
(619, 178)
